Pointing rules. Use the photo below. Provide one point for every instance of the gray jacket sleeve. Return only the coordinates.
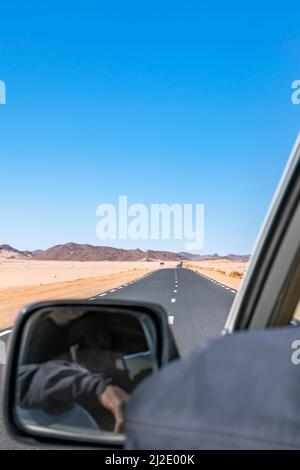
(55, 386)
(242, 391)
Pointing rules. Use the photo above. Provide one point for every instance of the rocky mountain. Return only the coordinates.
(85, 252)
(195, 257)
(238, 257)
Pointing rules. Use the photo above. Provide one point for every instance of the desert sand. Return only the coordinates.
(26, 281)
(225, 271)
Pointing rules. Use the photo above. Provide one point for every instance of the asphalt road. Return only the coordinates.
(197, 308)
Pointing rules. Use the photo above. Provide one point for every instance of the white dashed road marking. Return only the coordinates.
(216, 282)
(171, 320)
(173, 300)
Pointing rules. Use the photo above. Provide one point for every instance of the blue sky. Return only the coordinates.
(163, 101)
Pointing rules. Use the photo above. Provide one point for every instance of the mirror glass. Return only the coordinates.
(78, 366)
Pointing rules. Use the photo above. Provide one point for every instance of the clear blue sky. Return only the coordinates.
(164, 101)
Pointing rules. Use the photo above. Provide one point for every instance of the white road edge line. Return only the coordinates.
(216, 282)
(120, 287)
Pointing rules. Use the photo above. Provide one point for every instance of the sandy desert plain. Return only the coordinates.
(26, 281)
(223, 270)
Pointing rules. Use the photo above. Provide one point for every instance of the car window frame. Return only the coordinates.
(253, 307)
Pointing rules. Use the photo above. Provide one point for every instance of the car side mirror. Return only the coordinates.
(73, 365)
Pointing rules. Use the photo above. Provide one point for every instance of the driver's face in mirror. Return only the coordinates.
(79, 367)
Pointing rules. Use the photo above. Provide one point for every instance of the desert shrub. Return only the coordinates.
(236, 274)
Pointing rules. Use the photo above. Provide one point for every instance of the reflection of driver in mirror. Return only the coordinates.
(89, 376)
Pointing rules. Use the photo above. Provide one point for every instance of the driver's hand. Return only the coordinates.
(113, 399)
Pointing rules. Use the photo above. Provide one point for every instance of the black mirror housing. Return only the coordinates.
(134, 332)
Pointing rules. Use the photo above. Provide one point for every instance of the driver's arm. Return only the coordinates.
(56, 386)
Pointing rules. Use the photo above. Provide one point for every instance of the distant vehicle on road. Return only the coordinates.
(162, 264)
(180, 265)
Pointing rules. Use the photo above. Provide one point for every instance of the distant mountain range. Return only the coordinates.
(84, 252)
